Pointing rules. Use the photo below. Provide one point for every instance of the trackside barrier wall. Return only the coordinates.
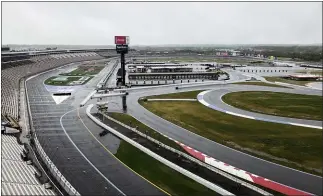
(87, 98)
(104, 80)
(55, 172)
(159, 158)
(171, 99)
(237, 180)
(52, 168)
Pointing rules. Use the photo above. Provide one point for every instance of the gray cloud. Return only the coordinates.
(150, 23)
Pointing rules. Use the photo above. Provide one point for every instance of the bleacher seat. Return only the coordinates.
(10, 76)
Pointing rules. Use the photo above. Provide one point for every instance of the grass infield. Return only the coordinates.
(51, 81)
(132, 122)
(272, 141)
(84, 71)
(161, 175)
(296, 82)
(261, 84)
(278, 104)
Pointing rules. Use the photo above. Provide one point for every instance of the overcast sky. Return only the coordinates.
(151, 23)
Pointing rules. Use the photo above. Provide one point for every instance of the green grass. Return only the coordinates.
(279, 79)
(50, 81)
(161, 175)
(315, 72)
(183, 95)
(261, 84)
(84, 71)
(296, 147)
(193, 94)
(131, 121)
(279, 104)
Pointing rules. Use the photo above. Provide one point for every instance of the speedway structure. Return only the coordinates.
(59, 138)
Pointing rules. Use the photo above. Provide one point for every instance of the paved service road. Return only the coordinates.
(89, 168)
(287, 176)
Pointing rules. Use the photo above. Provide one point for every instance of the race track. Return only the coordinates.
(64, 132)
(281, 174)
(213, 99)
(94, 171)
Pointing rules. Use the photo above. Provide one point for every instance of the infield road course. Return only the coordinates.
(281, 174)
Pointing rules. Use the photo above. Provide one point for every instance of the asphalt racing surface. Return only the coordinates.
(287, 176)
(68, 141)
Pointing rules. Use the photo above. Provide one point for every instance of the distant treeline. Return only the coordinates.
(307, 53)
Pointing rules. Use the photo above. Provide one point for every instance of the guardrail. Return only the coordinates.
(237, 180)
(110, 73)
(53, 169)
(107, 95)
(159, 158)
(171, 99)
(87, 98)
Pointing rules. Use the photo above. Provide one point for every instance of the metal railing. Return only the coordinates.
(46, 160)
(168, 163)
(218, 171)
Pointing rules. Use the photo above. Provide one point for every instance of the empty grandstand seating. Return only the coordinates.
(11, 75)
(18, 178)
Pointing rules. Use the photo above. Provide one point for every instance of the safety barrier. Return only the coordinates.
(104, 80)
(46, 160)
(171, 99)
(159, 158)
(87, 98)
(237, 180)
(54, 171)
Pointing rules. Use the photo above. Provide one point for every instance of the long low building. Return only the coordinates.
(171, 69)
(173, 76)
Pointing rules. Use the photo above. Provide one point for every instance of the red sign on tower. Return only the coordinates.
(121, 40)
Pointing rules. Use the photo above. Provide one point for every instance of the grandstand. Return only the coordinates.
(17, 176)
(16, 69)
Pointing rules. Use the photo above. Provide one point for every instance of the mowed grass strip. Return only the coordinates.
(315, 72)
(51, 81)
(159, 174)
(183, 95)
(84, 70)
(296, 82)
(132, 122)
(293, 146)
(261, 84)
(278, 104)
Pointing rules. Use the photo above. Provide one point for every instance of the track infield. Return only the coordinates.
(271, 141)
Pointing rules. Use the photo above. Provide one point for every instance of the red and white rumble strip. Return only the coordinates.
(241, 173)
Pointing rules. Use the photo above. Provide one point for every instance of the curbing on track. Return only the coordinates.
(236, 171)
